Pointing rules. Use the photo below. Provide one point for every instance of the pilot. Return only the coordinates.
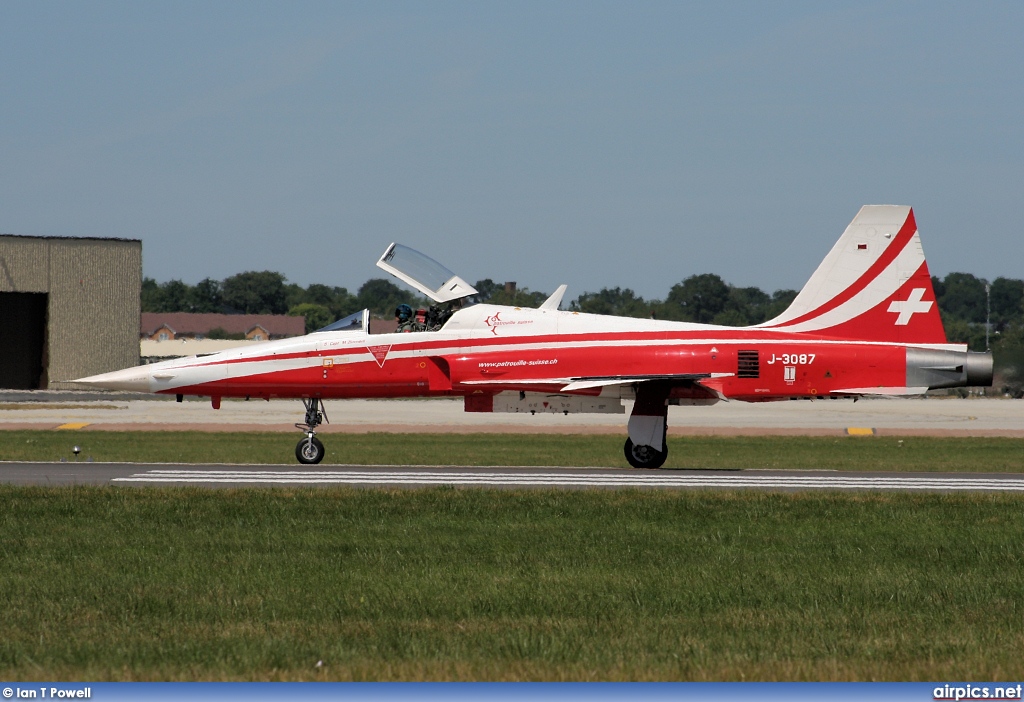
(405, 320)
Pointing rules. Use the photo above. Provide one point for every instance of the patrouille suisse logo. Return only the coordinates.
(493, 322)
(380, 353)
(496, 321)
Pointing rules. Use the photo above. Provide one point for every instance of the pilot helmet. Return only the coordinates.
(403, 312)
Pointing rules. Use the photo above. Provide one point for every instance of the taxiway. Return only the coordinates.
(126, 412)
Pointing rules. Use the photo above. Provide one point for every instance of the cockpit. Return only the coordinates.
(430, 278)
(358, 321)
(427, 276)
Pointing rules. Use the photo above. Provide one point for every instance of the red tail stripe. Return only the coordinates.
(878, 323)
(888, 256)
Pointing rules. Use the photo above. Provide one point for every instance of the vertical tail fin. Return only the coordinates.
(873, 285)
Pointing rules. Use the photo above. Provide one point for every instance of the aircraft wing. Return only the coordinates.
(889, 391)
(588, 382)
(602, 381)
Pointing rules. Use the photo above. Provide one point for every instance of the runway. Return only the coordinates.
(218, 476)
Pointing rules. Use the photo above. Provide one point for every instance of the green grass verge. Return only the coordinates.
(837, 453)
(183, 584)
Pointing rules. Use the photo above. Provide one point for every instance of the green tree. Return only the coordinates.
(960, 331)
(338, 300)
(319, 294)
(255, 292)
(963, 297)
(781, 300)
(317, 316)
(697, 299)
(621, 302)
(521, 297)
(742, 306)
(1007, 302)
(222, 333)
(294, 294)
(174, 297)
(205, 296)
(381, 297)
(152, 297)
(1008, 355)
(731, 318)
(485, 289)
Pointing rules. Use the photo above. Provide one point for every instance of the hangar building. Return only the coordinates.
(69, 307)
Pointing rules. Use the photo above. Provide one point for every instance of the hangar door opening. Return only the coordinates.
(23, 341)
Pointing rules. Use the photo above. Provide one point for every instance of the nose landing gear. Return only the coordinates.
(309, 450)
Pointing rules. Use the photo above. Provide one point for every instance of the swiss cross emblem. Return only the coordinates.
(379, 353)
(909, 307)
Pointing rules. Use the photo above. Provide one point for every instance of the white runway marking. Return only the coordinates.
(420, 478)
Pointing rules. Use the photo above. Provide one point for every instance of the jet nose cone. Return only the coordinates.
(130, 379)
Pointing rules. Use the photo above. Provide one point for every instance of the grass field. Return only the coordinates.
(181, 583)
(839, 453)
(471, 584)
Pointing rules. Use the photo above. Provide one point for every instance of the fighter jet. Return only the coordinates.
(866, 323)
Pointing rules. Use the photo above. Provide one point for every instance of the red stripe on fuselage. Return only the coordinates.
(554, 341)
(814, 369)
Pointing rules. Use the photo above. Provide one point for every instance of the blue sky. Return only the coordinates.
(596, 144)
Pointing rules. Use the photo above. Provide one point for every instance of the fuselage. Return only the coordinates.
(486, 349)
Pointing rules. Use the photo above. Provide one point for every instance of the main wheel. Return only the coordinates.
(309, 450)
(644, 456)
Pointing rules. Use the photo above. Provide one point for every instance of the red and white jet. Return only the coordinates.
(866, 323)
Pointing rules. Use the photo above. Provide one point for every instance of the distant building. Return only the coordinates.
(69, 308)
(168, 326)
(155, 351)
(382, 326)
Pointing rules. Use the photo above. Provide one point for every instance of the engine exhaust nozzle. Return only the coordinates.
(933, 368)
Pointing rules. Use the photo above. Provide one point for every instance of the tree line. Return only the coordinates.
(699, 298)
(963, 302)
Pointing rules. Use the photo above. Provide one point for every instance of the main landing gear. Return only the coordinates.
(648, 427)
(310, 451)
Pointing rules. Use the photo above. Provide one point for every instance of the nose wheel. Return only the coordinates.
(310, 450)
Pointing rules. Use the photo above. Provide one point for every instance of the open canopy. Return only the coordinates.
(424, 273)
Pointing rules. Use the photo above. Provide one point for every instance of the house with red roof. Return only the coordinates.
(165, 326)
